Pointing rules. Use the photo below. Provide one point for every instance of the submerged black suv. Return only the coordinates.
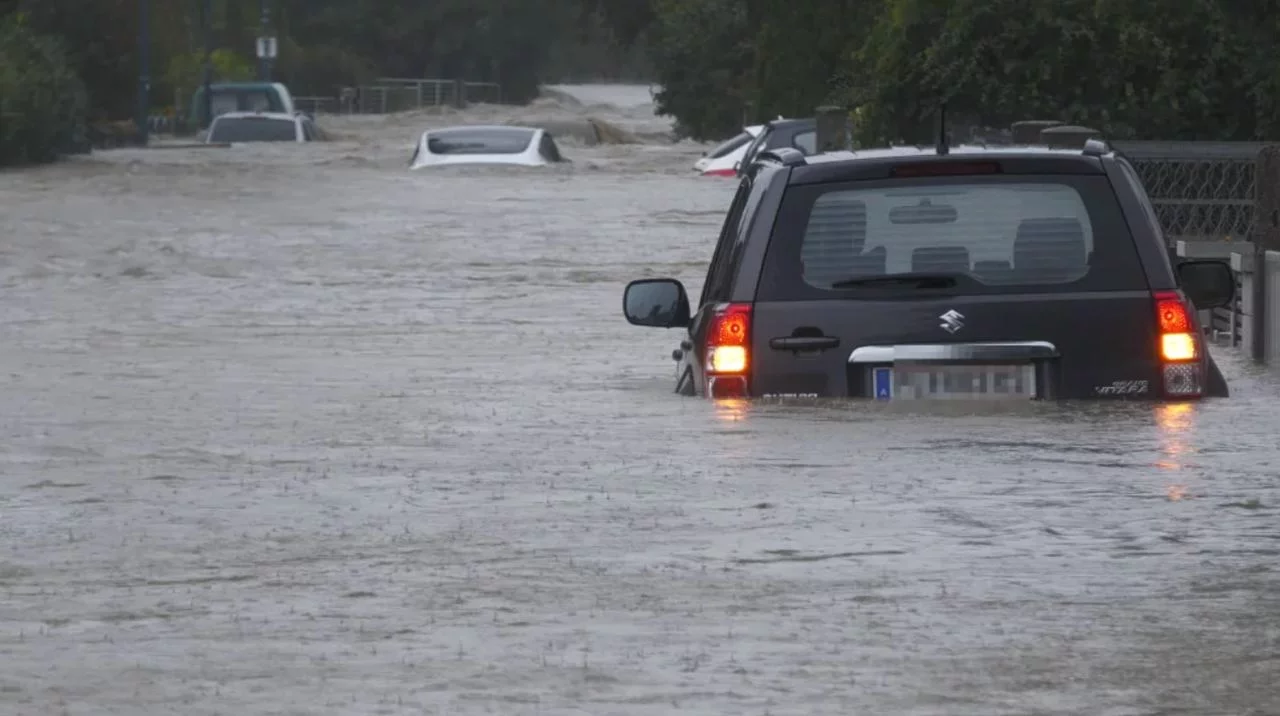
(960, 273)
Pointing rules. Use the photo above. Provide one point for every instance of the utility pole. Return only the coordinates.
(206, 12)
(267, 45)
(144, 69)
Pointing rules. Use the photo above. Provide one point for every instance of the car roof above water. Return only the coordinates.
(879, 163)
(510, 129)
(284, 116)
(960, 149)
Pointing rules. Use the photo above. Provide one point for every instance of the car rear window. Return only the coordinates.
(479, 141)
(729, 146)
(253, 129)
(995, 234)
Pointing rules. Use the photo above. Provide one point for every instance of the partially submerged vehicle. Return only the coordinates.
(485, 144)
(237, 127)
(241, 97)
(723, 160)
(944, 273)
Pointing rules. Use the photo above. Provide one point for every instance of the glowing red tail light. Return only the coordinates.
(1179, 347)
(1177, 338)
(720, 173)
(728, 351)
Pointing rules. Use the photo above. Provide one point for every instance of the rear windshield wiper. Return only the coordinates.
(906, 280)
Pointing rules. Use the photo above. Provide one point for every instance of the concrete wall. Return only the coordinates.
(1223, 324)
(1259, 335)
(1238, 325)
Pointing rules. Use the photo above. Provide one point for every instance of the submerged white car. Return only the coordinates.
(237, 127)
(521, 146)
(723, 160)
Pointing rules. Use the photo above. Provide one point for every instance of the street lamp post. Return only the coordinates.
(266, 44)
(144, 70)
(206, 11)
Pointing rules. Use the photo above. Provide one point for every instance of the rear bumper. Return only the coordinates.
(1039, 381)
(1034, 364)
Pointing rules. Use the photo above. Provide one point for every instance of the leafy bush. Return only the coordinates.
(1115, 66)
(186, 72)
(703, 58)
(42, 101)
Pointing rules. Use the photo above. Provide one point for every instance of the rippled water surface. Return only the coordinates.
(292, 430)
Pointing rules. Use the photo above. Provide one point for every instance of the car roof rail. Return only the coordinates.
(786, 156)
(1094, 147)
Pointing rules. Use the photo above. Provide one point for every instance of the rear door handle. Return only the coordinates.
(804, 343)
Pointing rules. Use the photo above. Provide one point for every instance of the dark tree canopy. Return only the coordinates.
(1178, 69)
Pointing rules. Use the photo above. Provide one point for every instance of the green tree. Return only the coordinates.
(884, 78)
(504, 41)
(798, 62)
(326, 44)
(100, 41)
(703, 57)
(1181, 73)
(42, 101)
(630, 20)
(186, 71)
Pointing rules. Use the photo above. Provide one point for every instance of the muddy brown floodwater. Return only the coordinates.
(290, 430)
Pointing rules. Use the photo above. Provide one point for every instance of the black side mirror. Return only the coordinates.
(1208, 283)
(656, 302)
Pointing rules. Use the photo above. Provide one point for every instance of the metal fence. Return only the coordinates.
(389, 94)
(1205, 195)
(318, 105)
(1201, 190)
(384, 96)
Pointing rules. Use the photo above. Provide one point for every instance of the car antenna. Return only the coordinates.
(942, 147)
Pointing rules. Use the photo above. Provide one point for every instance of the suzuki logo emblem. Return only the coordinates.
(952, 321)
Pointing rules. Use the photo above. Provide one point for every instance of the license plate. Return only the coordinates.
(931, 381)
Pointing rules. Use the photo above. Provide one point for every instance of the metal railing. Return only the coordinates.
(1206, 196)
(1201, 190)
(389, 94)
(439, 92)
(318, 105)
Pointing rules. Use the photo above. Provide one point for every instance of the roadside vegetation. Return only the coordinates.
(1198, 69)
(42, 100)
